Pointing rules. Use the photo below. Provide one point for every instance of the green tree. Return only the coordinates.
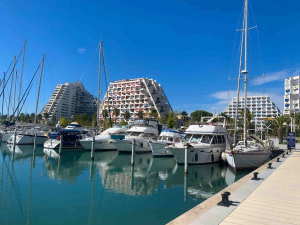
(140, 114)
(116, 111)
(184, 116)
(63, 122)
(32, 116)
(198, 114)
(280, 120)
(105, 113)
(54, 120)
(39, 118)
(46, 116)
(123, 123)
(126, 115)
(153, 113)
(172, 120)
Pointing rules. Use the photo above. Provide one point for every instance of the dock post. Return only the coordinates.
(186, 159)
(15, 137)
(133, 152)
(185, 187)
(34, 142)
(93, 148)
(60, 144)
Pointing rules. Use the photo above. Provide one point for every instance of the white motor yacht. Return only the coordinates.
(27, 137)
(85, 133)
(205, 143)
(166, 137)
(102, 140)
(142, 131)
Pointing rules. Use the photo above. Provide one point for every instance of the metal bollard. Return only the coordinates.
(60, 143)
(93, 148)
(283, 155)
(133, 152)
(278, 160)
(186, 159)
(287, 152)
(227, 196)
(224, 197)
(270, 166)
(255, 176)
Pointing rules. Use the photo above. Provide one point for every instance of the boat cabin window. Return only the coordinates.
(135, 134)
(206, 138)
(187, 137)
(196, 138)
(215, 140)
(170, 139)
(163, 138)
(122, 133)
(221, 139)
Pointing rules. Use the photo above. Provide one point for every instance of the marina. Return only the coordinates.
(37, 185)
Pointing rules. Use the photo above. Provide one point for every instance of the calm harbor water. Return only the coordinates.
(43, 188)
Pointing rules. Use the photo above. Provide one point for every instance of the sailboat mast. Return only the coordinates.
(20, 88)
(38, 96)
(12, 81)
(3, 96)
(16, 78)
(245, 72)
(99, 78)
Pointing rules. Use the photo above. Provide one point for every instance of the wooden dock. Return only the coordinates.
(274, 199)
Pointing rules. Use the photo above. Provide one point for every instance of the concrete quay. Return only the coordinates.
(274, 199)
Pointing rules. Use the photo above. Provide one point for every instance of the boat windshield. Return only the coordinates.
(206, 138)
(135, 134)
(196, 138)
(187, 137)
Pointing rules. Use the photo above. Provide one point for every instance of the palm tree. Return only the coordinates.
(39, 117)
(280, 120)
(153, 113)
(126, 115)
(140, 114)
(46, 116)
(184, 116)
(105, 113)
(116, 112)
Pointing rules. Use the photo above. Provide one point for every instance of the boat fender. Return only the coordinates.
(58, 137)
(212, 157)
(223, 156)
(141, 145)
(196, 157)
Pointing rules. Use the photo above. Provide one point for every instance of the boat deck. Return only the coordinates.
(274, 199)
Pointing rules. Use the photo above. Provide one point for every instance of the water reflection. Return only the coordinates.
(109, 186)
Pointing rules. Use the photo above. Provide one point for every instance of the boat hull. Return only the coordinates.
(27, 139)
(240, 160)
(125, 146)
(98, 145)
(54, 144)
(159, 150)
(197, 156)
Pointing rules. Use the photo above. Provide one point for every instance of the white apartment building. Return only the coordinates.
(134, 95)
(70, 99)
(291, 95)
(261, 106)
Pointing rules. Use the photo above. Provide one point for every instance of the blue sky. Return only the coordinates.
(187, 46)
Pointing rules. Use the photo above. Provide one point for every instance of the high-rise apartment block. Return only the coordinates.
(70, 99)
(291, 95)
(134, 95)
(260, 106)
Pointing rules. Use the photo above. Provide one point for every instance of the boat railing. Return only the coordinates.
(204, 123)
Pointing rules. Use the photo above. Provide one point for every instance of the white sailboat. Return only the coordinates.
(246, 154)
